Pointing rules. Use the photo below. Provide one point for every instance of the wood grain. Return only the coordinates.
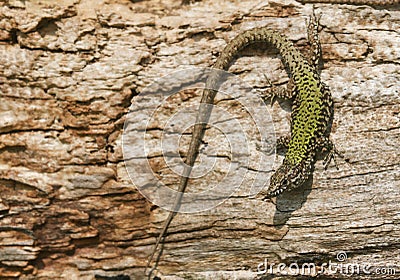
(70, 71)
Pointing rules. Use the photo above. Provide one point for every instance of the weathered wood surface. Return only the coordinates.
(70, 70)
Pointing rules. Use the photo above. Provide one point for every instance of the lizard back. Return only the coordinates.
(311, 109)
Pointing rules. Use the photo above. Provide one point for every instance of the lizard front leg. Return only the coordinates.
(328, 148)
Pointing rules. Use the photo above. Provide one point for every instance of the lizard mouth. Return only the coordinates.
(274, 193)
(284, 185)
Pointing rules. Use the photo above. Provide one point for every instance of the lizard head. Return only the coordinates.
(287, 177)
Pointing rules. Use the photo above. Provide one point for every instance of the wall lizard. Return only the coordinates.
(312, 111)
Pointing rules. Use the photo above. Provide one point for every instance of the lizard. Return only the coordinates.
(312, 111)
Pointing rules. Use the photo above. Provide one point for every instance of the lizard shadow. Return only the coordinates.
(290, 201)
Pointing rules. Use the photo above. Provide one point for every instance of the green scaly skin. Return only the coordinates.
(311, 114)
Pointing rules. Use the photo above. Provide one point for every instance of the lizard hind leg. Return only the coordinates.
(281, 92)
(282, 143)
(314, 56)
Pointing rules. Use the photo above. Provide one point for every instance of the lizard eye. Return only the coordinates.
(284, 182)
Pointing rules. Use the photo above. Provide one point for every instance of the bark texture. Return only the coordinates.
(71, 69)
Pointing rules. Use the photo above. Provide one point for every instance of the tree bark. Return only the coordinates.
(70, 72)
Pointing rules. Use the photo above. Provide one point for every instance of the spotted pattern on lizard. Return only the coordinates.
(312, 112)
